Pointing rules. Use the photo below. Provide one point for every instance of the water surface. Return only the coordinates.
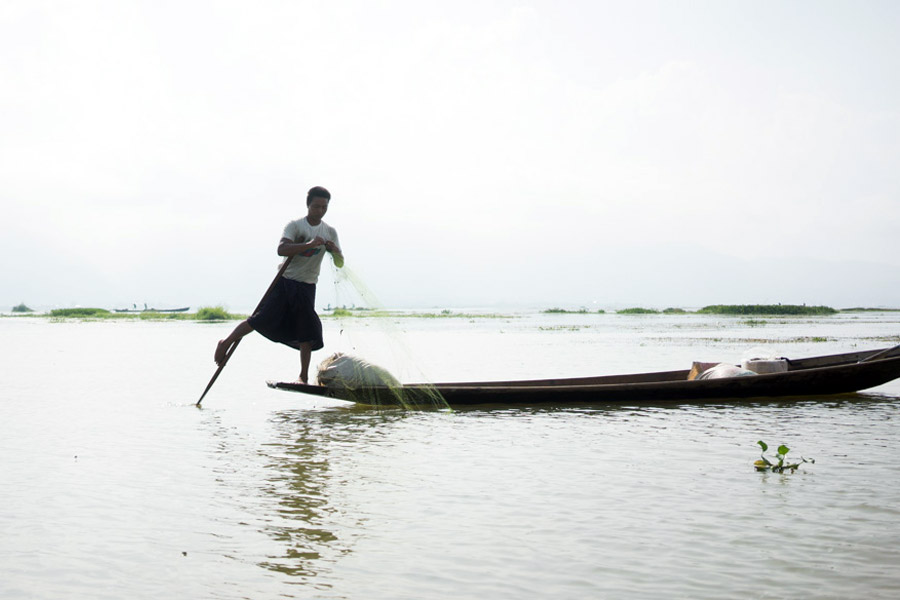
(115, 486)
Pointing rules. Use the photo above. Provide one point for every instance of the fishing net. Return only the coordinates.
(373, 347)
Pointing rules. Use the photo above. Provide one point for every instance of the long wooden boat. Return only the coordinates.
(816, 376)
(155, 310)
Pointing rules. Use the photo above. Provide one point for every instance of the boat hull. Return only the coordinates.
(152, 310)
(817, 376)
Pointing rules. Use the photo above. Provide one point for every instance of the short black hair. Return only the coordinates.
(317, 192)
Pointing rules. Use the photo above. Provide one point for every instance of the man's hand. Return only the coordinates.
(288, 247)
(332, 247)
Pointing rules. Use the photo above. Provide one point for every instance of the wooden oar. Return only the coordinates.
(882, 353)
(231, 350)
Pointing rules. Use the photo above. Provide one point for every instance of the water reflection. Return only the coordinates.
(297, 479)
(308, 462)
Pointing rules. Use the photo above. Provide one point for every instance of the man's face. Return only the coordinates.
(317, 208)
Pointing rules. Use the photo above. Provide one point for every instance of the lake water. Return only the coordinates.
(115, 486)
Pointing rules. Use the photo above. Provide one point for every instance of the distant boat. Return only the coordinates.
(159, 310)
(817, 376)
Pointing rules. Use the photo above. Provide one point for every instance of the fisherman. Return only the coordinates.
(287, 315)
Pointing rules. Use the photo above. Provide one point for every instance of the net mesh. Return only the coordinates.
(368, 330)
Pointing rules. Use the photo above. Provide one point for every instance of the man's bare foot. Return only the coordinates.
(221, 351)
(303, 378)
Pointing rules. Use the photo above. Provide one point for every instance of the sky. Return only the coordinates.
(479, 154)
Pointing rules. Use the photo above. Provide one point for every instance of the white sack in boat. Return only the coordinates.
(761, 361)
(351, 372)
(761, 367)
(723, 370)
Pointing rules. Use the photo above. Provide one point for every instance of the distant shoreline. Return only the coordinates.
(218, 313)
(206, 313)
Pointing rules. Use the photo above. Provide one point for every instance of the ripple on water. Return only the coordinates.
(253, 497)
(637, 501)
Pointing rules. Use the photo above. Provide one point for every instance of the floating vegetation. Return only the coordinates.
(206, 313)
(745, 340)
(675, 311)
(637, 311)
(347, 309)
(766, 309)
(453, 315)
(214, 313)
(21, 308)
(863, 309)
(779, 466)
(563, 311)
(152, 315)
(893, 339)
(80, 313)
(754, 322)
(444, 314)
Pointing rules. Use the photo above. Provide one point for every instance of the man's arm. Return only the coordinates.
(288, 247)
(336, 254)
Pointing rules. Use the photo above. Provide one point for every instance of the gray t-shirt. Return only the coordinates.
(306, 265)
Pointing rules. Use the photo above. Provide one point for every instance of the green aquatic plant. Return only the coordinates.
(766, 309)
(21, 308)
(445, 314)
(102, 313)
(207, 313)
(674, 311)
(79, 312)
(637, 311)
(779, 466)
(754, 322)
(213, 313)
(152, 315)
(391, 314)
(565, 311)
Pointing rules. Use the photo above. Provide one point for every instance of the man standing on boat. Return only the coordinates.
(287, 314)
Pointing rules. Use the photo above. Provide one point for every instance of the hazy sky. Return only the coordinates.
(479, 153)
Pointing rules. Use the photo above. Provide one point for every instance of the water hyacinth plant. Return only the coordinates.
(779, 466)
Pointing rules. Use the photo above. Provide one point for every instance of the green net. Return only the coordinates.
(366, 329)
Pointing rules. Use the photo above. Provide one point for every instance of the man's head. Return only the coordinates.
(317, 204)
(317, 192)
